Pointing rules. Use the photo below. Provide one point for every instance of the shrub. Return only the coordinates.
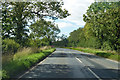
(103, 54)
(29, 50)
(20, 53)
(9, 46)
(106, 46)
(4, 74)
(23, 63)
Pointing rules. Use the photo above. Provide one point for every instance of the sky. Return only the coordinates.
(76, 8)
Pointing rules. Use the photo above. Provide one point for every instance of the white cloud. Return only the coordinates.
(76, 8)
(64, 24)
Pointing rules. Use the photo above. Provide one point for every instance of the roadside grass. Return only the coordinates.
(23, 61)
(106, 54)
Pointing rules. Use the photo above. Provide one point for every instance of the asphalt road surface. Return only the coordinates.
(67, 63)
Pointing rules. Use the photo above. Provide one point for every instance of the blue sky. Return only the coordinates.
(76, 8)
(67, 26)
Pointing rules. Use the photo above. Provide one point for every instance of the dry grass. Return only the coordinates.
(45, 47)
(23, 62)
(22, 52)
(7, 58)
(29, 50)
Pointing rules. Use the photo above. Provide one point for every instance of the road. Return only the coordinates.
(67, 63)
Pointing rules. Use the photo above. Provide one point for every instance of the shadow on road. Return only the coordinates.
(86, 55)
(107, 73)
(66, 71)
(50, 71)
(61, 55)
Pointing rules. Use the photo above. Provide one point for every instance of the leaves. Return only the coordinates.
(102, 28)
(17, 15)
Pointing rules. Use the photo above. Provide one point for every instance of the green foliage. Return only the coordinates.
(103, 17)
(46, 31)
(18, 65)
(17, 32)
(16, 15)
(102, 28)
(115, 57)
(105, 54)
(62, 41)
(107, 46)
(75, 37)
(4, 74)
(9, 46)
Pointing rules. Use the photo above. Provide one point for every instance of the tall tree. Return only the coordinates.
(20, 13)
(104, 19)
(44, 29)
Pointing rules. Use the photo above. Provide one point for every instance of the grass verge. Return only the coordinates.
(106, 54)
(17, 65)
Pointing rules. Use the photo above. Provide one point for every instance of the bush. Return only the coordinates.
(23, 63)
(107, 46)
(9, 46)
(106, 54)
(103, 54)
(4, 74)
(20, 53)
(26, 51)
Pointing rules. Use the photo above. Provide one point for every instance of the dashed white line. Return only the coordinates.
(93, 73)
(78, 59)
(89, 69)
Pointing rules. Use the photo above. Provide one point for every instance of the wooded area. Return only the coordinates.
(102, 28)
(24, 24)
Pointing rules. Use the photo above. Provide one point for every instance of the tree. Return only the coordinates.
(103, 17)
(7, 24)
(20, 13)
(76, 37)
(62, 41)
(44, 29)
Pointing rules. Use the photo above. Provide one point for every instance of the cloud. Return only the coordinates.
(65, 24)
(76, 8)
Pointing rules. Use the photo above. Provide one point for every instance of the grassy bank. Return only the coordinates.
(106, 54)
(21, 63)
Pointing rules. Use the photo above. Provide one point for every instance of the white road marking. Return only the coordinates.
(94, 74)
(112, 60)
(89, 69)
(34, 67)
(78, 59)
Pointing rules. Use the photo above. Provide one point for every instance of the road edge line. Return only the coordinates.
(34, 66)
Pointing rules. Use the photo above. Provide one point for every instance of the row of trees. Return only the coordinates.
(61, 41)
(24, 24)
(102, 28)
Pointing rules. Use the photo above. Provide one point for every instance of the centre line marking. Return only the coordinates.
(89, 69)
(94, 74)
(78, 59)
